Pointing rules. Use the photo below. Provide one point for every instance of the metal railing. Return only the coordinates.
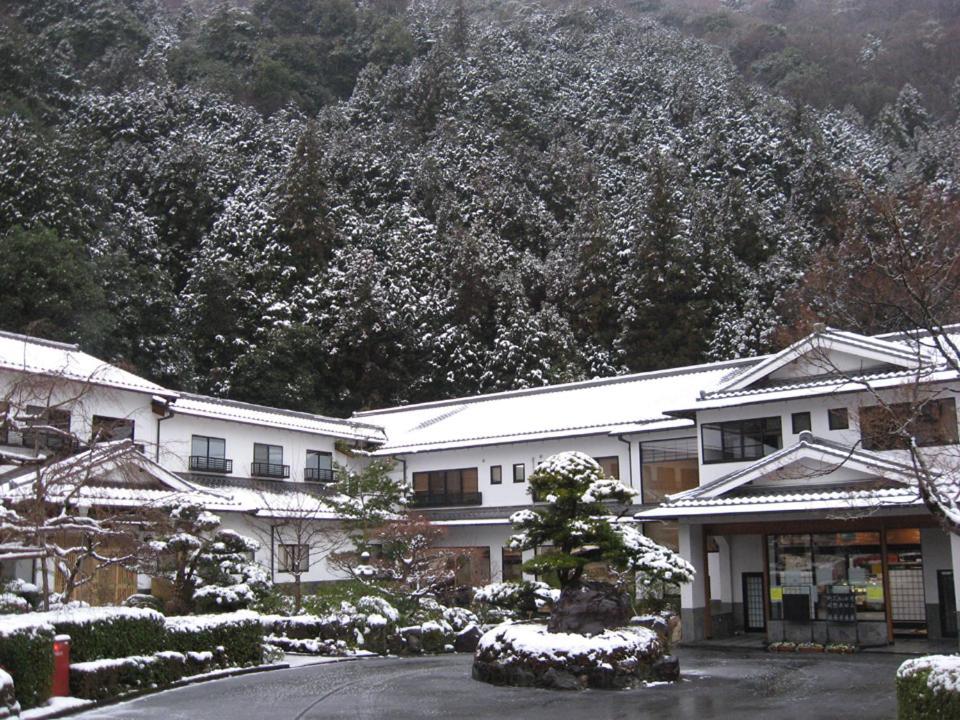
(446, 499)
(202, 463)
(270, 470)
(324, 475)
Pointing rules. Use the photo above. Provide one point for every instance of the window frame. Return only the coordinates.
(307, 467)
(100, 422)
(608, 458)
(922, 423)
(833, 418)
(194, 437)
(284, 558)
(803, 415)
(737, 428)
(523, 472)
(498, 480)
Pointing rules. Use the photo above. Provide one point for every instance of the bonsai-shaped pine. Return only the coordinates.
(208, 565)
(577, 522)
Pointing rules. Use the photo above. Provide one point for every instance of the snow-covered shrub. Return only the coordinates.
(101, 679)
(109, 632)
(371, 604)
(26, 652)
(929, 687)
(460, 618)
(240, 634)
(512, 600)
(329, 648)
(11, 604)
(526, 654)
(9, 707)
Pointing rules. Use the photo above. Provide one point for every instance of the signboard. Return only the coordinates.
(842, 607)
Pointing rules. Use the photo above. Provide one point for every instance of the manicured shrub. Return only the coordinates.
(240, 634)
(102, 679)
(928, 688)
(9, 707)
(110, 632)
(26, 653)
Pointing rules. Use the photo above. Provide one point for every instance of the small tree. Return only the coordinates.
(408, 566)
(301, 522)
(209, 566)
(576, 522)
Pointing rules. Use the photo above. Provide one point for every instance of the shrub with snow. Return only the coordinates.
(9, 707)
(109, 632)
(528, 655)
(240, 634)
(26, 652)
(929, 687)
(101, 679)
(513, 599)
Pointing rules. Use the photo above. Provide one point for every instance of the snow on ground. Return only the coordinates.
(55, 705)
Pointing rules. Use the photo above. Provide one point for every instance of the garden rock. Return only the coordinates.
(412, 641)
(590, 608)
(467, 639)
(666, 668)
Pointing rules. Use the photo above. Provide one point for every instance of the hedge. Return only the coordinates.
(26, 653)
(110, 632)
(103, 679)
(240, 634)
(928, 688)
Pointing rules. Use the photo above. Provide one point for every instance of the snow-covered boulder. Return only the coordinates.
(9, 707)
(528, 655)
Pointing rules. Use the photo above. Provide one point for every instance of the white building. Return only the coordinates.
(762, 472)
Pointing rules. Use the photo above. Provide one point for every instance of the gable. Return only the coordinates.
(825, 353)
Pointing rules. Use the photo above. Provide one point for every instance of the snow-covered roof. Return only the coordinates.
(113, 474)
(628, 403)
(27, 354)
(813, 500)
(220, 409)
(813, 474)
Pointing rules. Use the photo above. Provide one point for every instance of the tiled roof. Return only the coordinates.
(629, 403)
(217, 408)
(796, 496)
(45, 357)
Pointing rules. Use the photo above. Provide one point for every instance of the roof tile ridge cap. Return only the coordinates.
(60, 345)
(563, 387)
(302, 414)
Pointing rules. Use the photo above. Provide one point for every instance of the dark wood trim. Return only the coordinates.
(885, 569)
(766, 578)
(820, 525)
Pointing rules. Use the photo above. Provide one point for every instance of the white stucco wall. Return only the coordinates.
(177, 432)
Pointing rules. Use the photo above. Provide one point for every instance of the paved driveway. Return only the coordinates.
(727, 685)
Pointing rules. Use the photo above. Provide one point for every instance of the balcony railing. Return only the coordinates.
(446, 499)
(202, 463)
(269, 470)
(324, 475)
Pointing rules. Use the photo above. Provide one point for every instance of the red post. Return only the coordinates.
(61, 666)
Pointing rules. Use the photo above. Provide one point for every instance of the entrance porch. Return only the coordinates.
(868, 581)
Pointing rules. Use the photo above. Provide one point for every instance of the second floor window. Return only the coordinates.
(47, 428)
(446, 487)
(519, 473)
(741, 440)
(209, 454)
(268, 461)
(319, 466)
(610, 466)
(496, 474)
(889, 428)
(106, 429)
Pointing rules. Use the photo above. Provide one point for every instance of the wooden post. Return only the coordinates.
(707, 615)
(885, 569)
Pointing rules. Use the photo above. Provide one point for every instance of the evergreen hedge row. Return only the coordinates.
(26, 653)
(98, 633)
(240, 634)
(103, 679)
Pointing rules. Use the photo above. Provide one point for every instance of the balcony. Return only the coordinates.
(323, 475)
(202, 463)
(269, 470)
(423, 500)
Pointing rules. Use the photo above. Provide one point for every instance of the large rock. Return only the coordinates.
(590, 608)
(467, 639)
(666, 668)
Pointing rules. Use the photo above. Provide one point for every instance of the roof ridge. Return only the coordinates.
(40, 341)
(565, 387)
(280, 411)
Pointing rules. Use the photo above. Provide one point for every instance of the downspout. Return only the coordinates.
(629, 445)
(273, 559)
(167, 414)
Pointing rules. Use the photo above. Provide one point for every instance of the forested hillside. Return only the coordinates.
(327, 205)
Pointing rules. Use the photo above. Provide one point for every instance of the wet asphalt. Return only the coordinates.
(715, 686)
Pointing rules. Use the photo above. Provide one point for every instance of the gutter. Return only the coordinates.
(165, 414)
(629, 444)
